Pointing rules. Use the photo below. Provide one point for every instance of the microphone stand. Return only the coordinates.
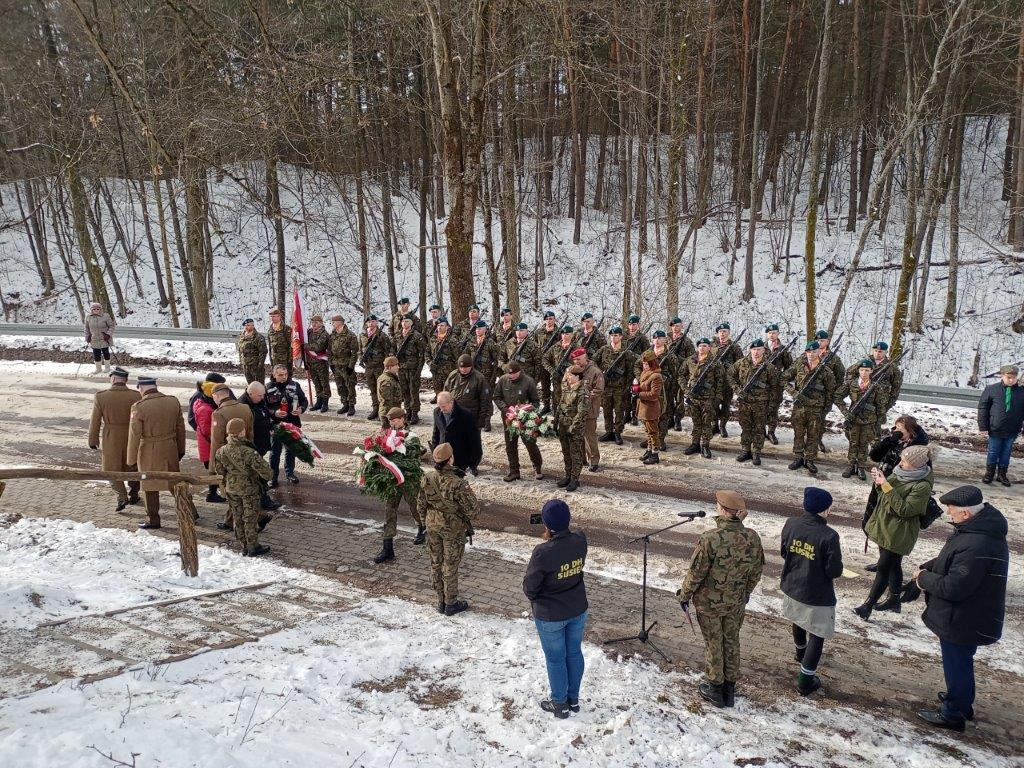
(644, 635)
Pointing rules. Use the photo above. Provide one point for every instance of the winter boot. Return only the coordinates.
(811, 467)
(618, 438)
(647, 455)
(98, 369)
(373, 415)
(421, 535)
(343, 410)
(387, 552)
(861, 474)
(512, 476)
(559, 709)
(722, 430)
(745, 456)
(325, 408)
(564, 482)
(268, 503)
(705, 451)
(796, 463)
(677, 424)
(450, 609)
(807, 684)
(849, 471)
(756, 459)
(106, 366)
(691, 449)
(259, 549)
(652, 459)
(729, 693)
(892, 604)
(572, 486)
(1002, 478)
(352, 409)
(712, 692)
(990, 473)
(864, 611)
(573, 704)
(607, 437)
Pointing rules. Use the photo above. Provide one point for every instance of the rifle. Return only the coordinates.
(433, 360)
(558, 329)
(769, 360)
(476, 356)
(630, 349)
(878, 376)
(699, 381)
(369, 346)
(674, 345)
(400, 350)
(812, 380)
(586, 346)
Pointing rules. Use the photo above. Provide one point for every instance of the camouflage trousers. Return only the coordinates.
(752, 416)
(615, 405)
(255, 372)
(245, 516)
(808, 427)
(724, 406)
(721, 645)
(655, 442)
(391, 511)
(774, 403)
(703, 412)
(556, 391)
(860, 436)
(320, 373)
(409, 380)
(445, 550)
(345, 381)
(572, 452)
(440, 375)
(373, 372)
(544, 385)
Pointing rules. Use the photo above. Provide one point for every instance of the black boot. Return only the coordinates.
(564, 482)
(705, 451)
(745, 456)
(652, 459)
(618, 438)
(848, 472)
(214, 497)
(691, 449)
(722, 430)
(1002, 478)
(861, 474)
(121, 504)
(864, 611)
(712, 692)
(421, 535)
(811, 467)
(450, 609)
(892, 604)
(990, 473)
(646, 455)
(677, 424)
(352, 409)
(559, 709)
(607, 437)
(729, 693)
(756, 460)
(572, 486)
(325, 408)
(259, 549)
(292, 478)
(268, 503)
(387, 552)
(634, 421)
(343, 410)
(373, 415)
(797, 462)
(807, 684)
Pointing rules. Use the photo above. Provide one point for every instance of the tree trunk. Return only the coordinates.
(1017, 214)
(179, 244)
(424, 182)
(36, 230)
(194, 178)
(148, 227)
(755, 201)
(957, 154)
(80, 216)
(166, 251)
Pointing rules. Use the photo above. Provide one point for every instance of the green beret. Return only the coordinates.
(866, 363)
(522, 327)
(771, 327)
(722, 327)
(757, 343)
(479, 324)
(704, 340)
(567, 329)
(634, 318)
(659, 334)
(616, 330)
(822, 334)
(880, 345)
(587, 316)
(548, 314)
(812, 346)
(676, 320)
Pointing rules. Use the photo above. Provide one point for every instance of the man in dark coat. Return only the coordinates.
(255, 396)
(456, 426)
(965, 588)
(1001, 415)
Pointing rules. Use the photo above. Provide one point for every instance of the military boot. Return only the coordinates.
(373, 415)
(450, 609)
(691, 449)
(325, 408)
(564, 482)
(343, 410)
(705, 451)
(572, 486)
(652, 459)
(747, 455)
(797, 462)
(352, 409)
(387, 552)
(772, 437)
(607, 437)
(647, 453)
(722, 430)
(677, 424)
(712, 692)
(848, 472)
(990, 473)
(861, 474)
(421, 535)
(259, 549)
(1002, 478)
(811, 468)
(729, 693)
(756, 459)
(618, 438)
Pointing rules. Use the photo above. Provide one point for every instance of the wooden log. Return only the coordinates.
(62, 473)
(188, 546)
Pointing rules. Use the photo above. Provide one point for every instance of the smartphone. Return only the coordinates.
(536, 519)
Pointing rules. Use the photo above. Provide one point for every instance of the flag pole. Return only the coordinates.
(302, 335)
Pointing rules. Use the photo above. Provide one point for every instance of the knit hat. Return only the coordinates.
(567, 329)
(822, 334)
(811, 346)
(236, 427)
(207, 387)
(555, 514)
(918, 455)
(615, 330)
(722, 327)
(390, 360)
(659, 334)
(522, 327)
(215, 377)
(757, 343)
(396, 413)
(577, 353)
(963, 496)
(771, 327)
(548, 314)
(465, 361)
(119, 373)
(634, 319)
(880, 345)
(816, 500)
(443, 452)
(649, 356)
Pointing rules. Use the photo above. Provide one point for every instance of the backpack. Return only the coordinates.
(931, 514)
(191, 411)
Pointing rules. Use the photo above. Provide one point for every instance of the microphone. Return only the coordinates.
(691, 515)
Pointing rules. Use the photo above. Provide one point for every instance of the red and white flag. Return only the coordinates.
(298, 325)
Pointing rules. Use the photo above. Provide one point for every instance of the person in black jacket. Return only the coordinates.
(1001, 415)
(255, 396)
(554, 585)
(965, 590)
(812, 562)
(286, 402)
(456, 426)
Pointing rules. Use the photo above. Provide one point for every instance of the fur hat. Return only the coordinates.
(649, 357)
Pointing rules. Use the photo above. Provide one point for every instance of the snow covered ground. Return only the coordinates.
(385, 683)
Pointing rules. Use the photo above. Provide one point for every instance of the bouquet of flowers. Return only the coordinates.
(388, 462)
(525, 423)
(301, 446)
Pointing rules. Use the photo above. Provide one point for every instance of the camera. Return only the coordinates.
(535, 519)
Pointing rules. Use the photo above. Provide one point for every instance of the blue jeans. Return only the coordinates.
(562, 643)
(958, 668)
(275, 458)
(999, 450)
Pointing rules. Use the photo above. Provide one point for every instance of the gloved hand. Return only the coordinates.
(910, 592)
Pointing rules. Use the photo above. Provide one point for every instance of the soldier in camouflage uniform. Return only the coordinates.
(523, 349)
(634, 338)
(754, 405)
(556, 362)
(442, 354)
(728, 352)
(589, 336)
(569, 423)
(414, 450)
(892, 384)
(484, 351)
(245, 472)
(726, 566)
(395, 327)
(545, 337)
(680, 346)
(810, 409)
(835, 365)
(506, 328)
(343, 349)
(465, 331)
(860, 427)
(317, 342)
(409, 345)
(618, 364)
(374, 346)
(279, 341)
(669, 366)
(701, 399)
(449, 507)
(782, 364)
(435, 315)
(252, 352)
(389, 389)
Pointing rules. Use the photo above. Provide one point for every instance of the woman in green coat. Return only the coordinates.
(896, 523)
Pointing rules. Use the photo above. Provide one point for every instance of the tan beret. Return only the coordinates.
(396, 413)
(220, 388)
(443, 452)
(338, 318)
(236, 427)
(274, 311)
(730, 500)
(316, 319)
(390, 360)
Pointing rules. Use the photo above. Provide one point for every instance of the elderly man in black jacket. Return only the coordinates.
(255, 396)
(456, 426)
(965, 588)
(1001, 415)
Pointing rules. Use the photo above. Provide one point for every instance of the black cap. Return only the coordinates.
(963, 496)
(215, 377)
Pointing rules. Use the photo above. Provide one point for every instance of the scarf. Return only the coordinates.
(911, 475)
(1008, 395)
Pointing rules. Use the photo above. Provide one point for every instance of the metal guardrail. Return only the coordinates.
(918, 393)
